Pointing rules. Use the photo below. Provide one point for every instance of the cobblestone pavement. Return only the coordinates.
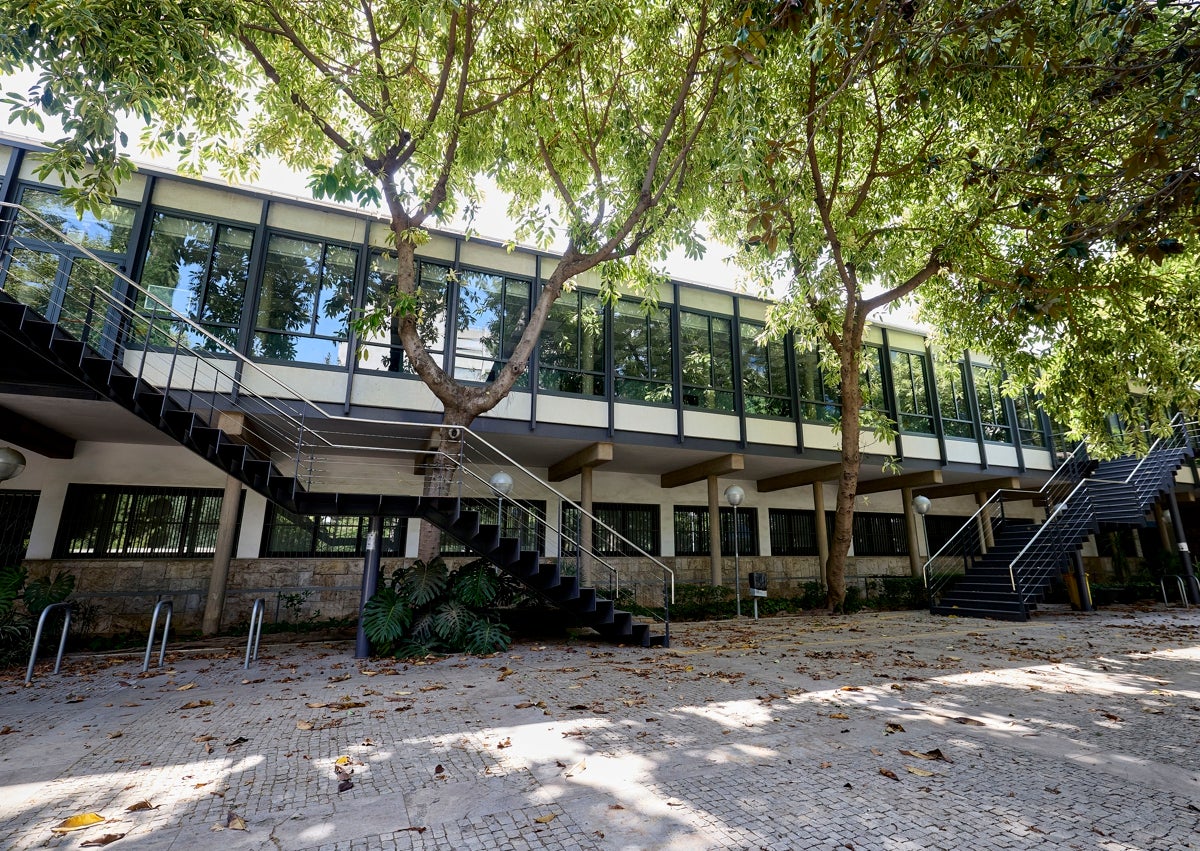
(888, 731)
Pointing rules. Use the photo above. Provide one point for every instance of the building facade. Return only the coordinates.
(680, 390)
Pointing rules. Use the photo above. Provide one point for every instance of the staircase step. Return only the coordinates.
(566, 589)
(68, 350)
(621, 626)
(641, 634)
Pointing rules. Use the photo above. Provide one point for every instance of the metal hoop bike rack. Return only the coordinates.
(37, 639)
(1179, 580)
(256, 622)
(162, 652)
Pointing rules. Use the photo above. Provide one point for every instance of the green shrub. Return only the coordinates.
(711, 602)
(895, 593)
(426, 609)
(21, 603)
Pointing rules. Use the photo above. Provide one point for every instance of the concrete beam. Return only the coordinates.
(970, 488)
(722, 465)
(895, 483)
(38, 437)
(801, 477)
(590, 456)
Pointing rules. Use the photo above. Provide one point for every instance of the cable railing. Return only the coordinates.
(1070, 516)
(183, 376)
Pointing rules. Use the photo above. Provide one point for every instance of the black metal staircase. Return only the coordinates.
(1003, 569)
(137, 352)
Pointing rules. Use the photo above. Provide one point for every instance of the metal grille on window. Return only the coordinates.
(691, 531)
(300, 536)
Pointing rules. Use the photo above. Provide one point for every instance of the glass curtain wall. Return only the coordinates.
(992, 415)
(706, 354)
(382, 349)
(765, 391)
(910, 371)
(952, 399)
(571, 347)
(492, 312)
(642, 352)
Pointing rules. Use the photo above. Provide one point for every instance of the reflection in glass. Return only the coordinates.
(571, 347)
(383, 350)
(492, 312)
(706, 353)
(764, 374)
(910, 371)
(641, 352)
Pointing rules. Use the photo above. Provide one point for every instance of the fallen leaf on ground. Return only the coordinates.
(546, 819)
(507, 743)
(240, 740)
(197, 704)
(888, 773)
(203, 738)
(850, 688)
(5, 730)
(304, 725)
(615, 807)
(892, 728)
(342, 760)
(577, 768)
(505, 672)
(440, 769)
(826, 765)
(962, 719)
(139, 806)
(316, 705)
(106, 839)
(340, 679)
(345, 705)
(186, 687)
(345, 785)
(116, 734)
(235, 822)
(920, 772)
(77, 822)
(936, 753)
(840, 716)
(1112, 717)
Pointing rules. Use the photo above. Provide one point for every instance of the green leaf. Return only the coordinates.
(12, 579)
(386, 616)
(45, 591)
(476, 584)
(451, 622)
(485, 636)
(423, 582)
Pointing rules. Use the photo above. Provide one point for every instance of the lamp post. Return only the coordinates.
(734, 496)
(921, 505)
(502, 484)
(12, 463)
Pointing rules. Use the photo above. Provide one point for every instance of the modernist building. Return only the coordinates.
(651, 410)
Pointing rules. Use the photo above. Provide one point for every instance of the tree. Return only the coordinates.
(895, 149)
(601, 107)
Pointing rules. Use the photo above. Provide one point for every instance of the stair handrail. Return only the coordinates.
(1058, 510)
(1176, 423)
(1068, 465)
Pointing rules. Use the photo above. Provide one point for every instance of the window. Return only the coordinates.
(819, 399)
(952, 399)
(304, 301)
(764, 374)
(571, 348)
(874, 398)
(636, 524)
(55, 278)
(910, 372)
(691, 531)
(17, 509)
(1029, 420)
(522, 519)
(880, 535)
(112, 521)
(641, 352)
(385, 351)
(706, 352)
(200, 268)
(794, 531)
(940, 529)
(992, 415)
(287, 535)
(492, 312)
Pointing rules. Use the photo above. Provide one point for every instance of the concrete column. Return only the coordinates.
(984, 522)
(585, 526)
(910, 528)
(1185, 555)
(1160, 520)
(818, 489)
(370, 583)
(714, 529)
(214, 606)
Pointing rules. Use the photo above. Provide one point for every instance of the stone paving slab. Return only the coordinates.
(1071, 732)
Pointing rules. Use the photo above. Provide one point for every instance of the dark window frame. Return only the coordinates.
(630, 520)
(696, 542)
(317, 528)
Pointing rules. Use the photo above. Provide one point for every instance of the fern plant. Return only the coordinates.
(425, 608)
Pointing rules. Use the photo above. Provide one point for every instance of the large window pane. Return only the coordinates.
(952, 399)
(201, 270)
(706, 351)
(992, 415)
(492, 312)
(287, 535)
(820, 401)
(1029, 421)
(910, 370)
(384, 351)
(107, 230)
(880, 535)
(634, 524)
(305, 299)
(692, 531)
(571, 348)
(874, 398)
(764, 374)
(642, 352)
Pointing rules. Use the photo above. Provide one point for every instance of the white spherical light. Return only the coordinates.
(12, 463)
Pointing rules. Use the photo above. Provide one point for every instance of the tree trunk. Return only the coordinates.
(843, 522)
(442, 475)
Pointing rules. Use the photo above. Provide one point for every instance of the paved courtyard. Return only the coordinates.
(878, 731)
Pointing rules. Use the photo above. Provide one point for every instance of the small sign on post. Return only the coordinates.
(758, 588)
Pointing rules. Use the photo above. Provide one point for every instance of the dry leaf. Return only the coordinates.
(342, 760)
(5, 730)
(116, 735)
(106, 839)
(850, 688)
(77, 822)
(345, 785)
(204, 738)
(920, 772)
(546, 819)
(505, 672)
(826, 765)
(888, 773)
(340, 679)
(139, 806)
(304, 725)
(968, 721)
(507, 743)
(316, 705)
(240, 740)
(892, 728)
(577, 768)
(186, 687)
(235, 822)
(197, 704)
(615, 807)
(840, 716)
(439, 769)
(1112, 717)
(877, 751)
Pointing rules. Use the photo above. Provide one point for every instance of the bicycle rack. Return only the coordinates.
(37, 639)
(162, 652)
(256, 622)
(1179, 581)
